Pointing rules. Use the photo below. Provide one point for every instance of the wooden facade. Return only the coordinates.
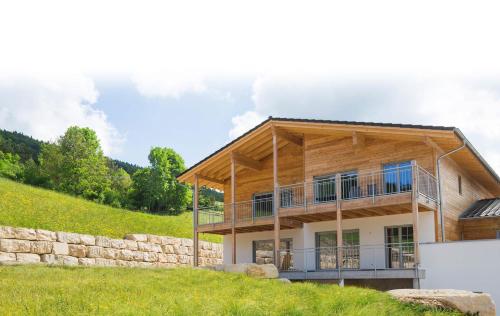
(281, 153)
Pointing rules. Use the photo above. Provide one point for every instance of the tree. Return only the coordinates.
(121, 183)
(156, 188)
(76, 164)
(10, 166)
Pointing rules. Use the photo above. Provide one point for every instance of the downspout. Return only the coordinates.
(441, 215)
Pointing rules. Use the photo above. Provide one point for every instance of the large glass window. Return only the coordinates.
(324, 189)
(397, 177)
(326, 250)
(350, 188)
(263, 252)
(263, 204)
(400, 249)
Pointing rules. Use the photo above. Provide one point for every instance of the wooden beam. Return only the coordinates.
(414, 207)
(276, 202)
(340, 242)
(358, 140)
(429, 142)
(233, 209)
(195, 221)
(210, 179)
(281, 133)
(246, 162)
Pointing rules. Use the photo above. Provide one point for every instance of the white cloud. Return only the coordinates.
(472, 106)
(45, 107)
(172, 84)
(243, 123)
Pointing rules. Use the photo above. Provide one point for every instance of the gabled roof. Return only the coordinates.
(483, 209)
(440, 132)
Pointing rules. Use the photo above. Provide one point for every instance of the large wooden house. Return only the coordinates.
(349, 201)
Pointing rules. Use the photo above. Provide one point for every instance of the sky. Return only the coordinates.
(194, 75)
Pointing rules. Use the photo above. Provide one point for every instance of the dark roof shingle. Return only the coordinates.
(483, 209)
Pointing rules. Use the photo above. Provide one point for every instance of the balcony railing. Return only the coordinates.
(358, 186)
(324, 191)
(245, 212)
(354, 257)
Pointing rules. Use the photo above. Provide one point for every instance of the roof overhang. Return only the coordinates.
(256, 144)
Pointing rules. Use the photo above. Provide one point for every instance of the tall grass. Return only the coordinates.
(26, 206)
(41, 290)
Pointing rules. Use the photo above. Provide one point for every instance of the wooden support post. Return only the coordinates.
(195, 220)
(276, 202)
(340, 242)
(233, 209)
(414, 208)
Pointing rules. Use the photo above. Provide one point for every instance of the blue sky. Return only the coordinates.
(193, 75)
(194, 125)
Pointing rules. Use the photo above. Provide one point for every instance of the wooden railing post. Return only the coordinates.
(276, 202)
(195, 220)
(414, 207)
(233, 209)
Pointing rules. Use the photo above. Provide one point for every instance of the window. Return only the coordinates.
(460, 185)
(326, 249)
(263, 252)
(350, 188)
(324, 189)
(397, 177)
(399, 247)
(498, 234)
(263, 204)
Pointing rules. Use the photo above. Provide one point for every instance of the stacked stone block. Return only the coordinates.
(25, 245)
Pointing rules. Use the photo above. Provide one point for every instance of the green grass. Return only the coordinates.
(43, 290)
(26, 206)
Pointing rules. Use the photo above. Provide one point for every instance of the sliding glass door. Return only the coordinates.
(326, 250)
(397, 177)
(400, 250)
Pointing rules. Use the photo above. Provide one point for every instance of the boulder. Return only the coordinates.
(47, 235)
(87, 240)
(262, 271)
(110, 253)
(167, 248)
(7, 257)
(6, 232)
(151, 256)
(137, 237)
(154, 239)
(102, 241)
(86, 261)
(130, 244)
(48, 258)
(284, 280)
(118, 244)
(27, 258)
(66, 260)
(79, 251)
(14, 245)
(41, 247)
(94, 251)
(24, 233)
(464, 301)
(126, 255)
(69, 238)
(60, 248)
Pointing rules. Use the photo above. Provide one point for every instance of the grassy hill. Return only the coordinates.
(42, 290)
(26, 206)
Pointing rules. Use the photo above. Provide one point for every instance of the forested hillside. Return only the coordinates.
(75, 165)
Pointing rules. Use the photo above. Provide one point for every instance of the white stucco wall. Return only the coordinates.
(463, 265)
(371, 231)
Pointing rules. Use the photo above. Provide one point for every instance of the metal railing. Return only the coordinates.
(427, 184)
(354, 257)
(211, 215)
(251, 210)
(358, 186)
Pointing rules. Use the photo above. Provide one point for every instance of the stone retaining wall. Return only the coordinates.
(24, 245)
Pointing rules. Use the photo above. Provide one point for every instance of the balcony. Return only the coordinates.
(381, 192)
(395, 260)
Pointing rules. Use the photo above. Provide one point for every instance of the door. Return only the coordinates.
(326, 250)
(397, 177)
(262, 204)
(400, 250)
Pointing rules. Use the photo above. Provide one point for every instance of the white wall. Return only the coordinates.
(371, 230)
(463, 265)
